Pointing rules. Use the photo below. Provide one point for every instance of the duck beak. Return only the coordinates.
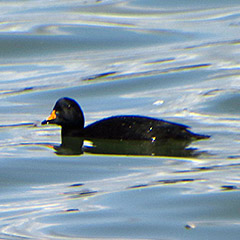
(51, 117)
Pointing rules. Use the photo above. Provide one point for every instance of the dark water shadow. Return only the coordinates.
(75, 146)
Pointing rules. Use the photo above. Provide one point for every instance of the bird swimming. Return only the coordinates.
(68, 114)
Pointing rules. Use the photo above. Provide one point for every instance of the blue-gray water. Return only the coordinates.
(176, 60)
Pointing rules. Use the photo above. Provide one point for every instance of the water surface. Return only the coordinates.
(173, 60)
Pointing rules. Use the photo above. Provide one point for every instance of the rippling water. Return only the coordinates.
(167, 59)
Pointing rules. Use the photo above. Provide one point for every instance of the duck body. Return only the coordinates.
(68, 114)
(138, 128)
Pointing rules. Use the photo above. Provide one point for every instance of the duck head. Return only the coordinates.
(67, 113)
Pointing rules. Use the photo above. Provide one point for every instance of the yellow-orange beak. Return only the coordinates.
(52, 115)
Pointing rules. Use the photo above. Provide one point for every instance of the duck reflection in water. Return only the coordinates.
(123, 134)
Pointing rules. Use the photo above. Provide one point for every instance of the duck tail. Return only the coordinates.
(200, 136)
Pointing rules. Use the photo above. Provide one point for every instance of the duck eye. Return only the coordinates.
(69, 106)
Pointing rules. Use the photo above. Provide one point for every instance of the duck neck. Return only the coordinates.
(71, 131)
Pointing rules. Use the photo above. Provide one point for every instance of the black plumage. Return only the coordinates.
(68, 114)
